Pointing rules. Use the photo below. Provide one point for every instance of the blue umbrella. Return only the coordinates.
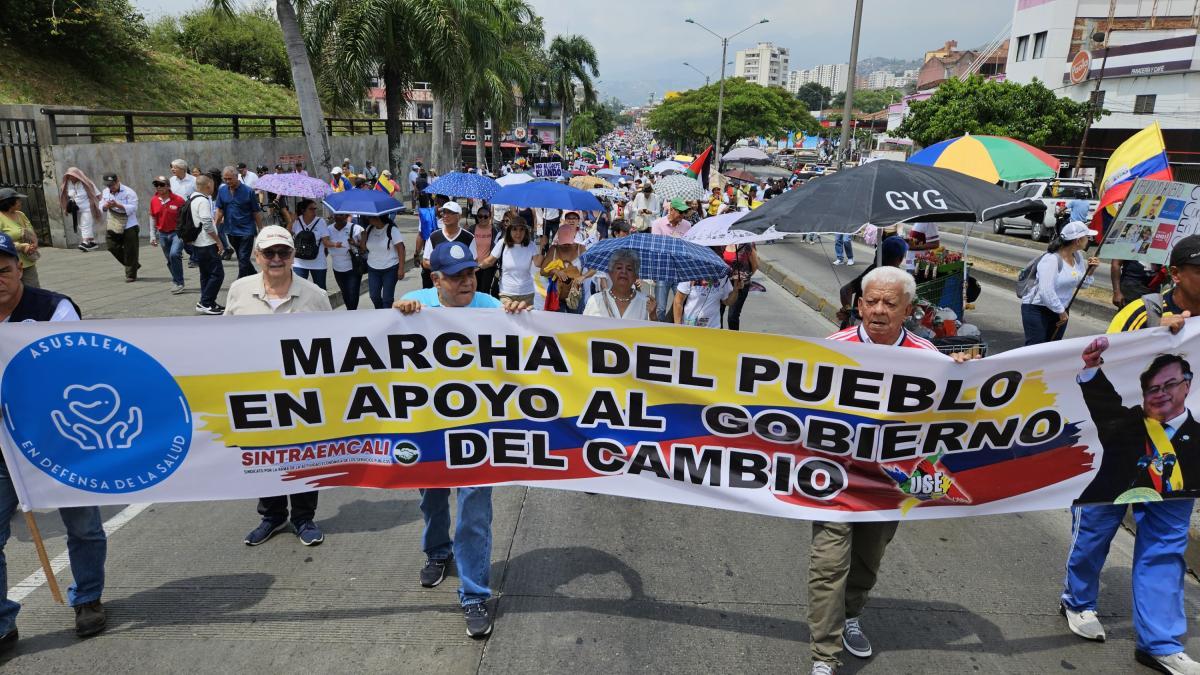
(546, 195)
(666, 259)
(459, 184)
(363, 202)
(615, 173)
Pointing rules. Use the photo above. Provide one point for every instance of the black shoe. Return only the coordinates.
(8, 641)
(227, 256)
(479, 622)
(89, 618)
(434, 571)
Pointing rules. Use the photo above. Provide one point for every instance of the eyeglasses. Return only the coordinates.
(1168, 386)
(276, 253)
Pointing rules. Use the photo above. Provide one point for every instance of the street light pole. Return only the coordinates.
(844, 145)
(721, 91)
(706, 78)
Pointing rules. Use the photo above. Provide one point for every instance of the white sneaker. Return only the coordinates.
(1178, 663)
(839, 262)
(176, 290)
(822, 668)
(1085, 624)
(850, 262)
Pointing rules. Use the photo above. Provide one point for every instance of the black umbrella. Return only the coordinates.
(882, 193)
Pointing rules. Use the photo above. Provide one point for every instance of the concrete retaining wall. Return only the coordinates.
(138, 163)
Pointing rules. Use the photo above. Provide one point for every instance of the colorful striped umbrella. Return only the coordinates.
(989, 158)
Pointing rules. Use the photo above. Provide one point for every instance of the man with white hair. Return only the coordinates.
(844, 558)
(182, 182)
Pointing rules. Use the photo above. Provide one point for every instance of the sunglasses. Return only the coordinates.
(276, 253)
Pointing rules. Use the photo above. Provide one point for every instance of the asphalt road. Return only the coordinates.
(1016, 254)
(584, 584)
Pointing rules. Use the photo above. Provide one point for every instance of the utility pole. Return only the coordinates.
(721, 94)
(1092, 100)
(844, 145)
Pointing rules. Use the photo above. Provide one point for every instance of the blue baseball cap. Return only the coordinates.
(451, 257)
(7, 246)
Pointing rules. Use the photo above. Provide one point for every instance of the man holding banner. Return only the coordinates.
(1146, 449)
(87, 545)
(452, 265)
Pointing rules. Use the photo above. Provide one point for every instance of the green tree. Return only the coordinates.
(1027, 112)
(569, 60)
(583, 130)
(250, 44)
(814, 95)
(868, 100)
(750, 110)
(95, 32)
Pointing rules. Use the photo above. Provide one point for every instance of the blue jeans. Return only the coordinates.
(212, 273)
(243, 245)
(381, 286)
(172, 248)
(1158, 567)
(87, 548)
(843, 246)
(316, 276)
(1040, 324)
(472, 543)
(350, 283)
(664, 298)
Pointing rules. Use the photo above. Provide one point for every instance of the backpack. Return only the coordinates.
(1027, 277)
(187, 228)
(305, 242)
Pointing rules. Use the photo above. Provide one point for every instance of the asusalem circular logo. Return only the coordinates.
(95, 413)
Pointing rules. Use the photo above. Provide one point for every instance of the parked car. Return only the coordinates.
(1055, 194)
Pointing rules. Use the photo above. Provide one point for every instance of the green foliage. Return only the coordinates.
(1027, 112)
(869, 100)
(249, 42)
(583, 129)
(100, 31)
(750, 110)
(814, 95)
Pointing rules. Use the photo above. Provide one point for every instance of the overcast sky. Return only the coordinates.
(642, 44)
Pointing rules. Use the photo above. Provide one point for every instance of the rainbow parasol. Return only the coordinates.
(989, 158)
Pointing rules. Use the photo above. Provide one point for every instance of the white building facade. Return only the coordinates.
(830, 75)
(765, 64)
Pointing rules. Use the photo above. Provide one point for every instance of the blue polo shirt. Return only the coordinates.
(429, 298)
(239, 209)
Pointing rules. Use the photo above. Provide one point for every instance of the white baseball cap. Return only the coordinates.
(273, 235)
(1074, 230)
(336, 169)
(452, 207)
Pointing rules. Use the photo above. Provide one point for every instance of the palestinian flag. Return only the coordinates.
(699, 167)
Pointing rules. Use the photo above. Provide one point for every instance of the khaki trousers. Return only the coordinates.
(842, 569)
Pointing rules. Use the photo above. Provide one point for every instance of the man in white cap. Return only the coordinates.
(449, 229)
(276, 290)
(338, 180)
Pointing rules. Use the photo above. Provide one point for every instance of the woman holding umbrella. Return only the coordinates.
(621, 299)
(384, 245)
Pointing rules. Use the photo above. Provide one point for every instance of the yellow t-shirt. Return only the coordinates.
(16, 229)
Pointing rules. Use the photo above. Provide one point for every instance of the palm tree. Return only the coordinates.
(569, 59)
(311, 116)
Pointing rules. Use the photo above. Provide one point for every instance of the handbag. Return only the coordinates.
(358, 261)
(494, 289)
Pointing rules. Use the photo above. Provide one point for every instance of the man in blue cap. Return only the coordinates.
(452, 266)
(87, 545)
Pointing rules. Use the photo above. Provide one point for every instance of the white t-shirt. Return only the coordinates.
(428, 250)
(250, 178)
(320, 230)
(516, 277)
(340, 257)
(381, 255)
(600, 304)
(929, 231)
(202, 209)
(703, 305)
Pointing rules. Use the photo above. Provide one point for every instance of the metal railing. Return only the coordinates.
(130, 126)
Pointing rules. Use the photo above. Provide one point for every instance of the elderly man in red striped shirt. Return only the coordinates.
(845, 557)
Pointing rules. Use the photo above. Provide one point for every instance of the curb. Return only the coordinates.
(793, 285)
(1083, 306)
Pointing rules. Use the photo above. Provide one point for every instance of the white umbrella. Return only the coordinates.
(665, 166)
(746, 154)
(714, 231)
(514, 179)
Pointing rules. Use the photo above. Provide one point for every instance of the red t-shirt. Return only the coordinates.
(165, 215)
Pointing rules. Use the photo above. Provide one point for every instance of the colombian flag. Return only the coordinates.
(386, 184)
(1143, 155)
(340, 183)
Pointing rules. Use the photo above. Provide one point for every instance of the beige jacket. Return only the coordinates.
(248, 296)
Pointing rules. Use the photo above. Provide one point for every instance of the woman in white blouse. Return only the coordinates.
(1059, 272)
(620, 299)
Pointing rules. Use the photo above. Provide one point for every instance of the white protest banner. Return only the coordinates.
(1155, 215)
(110, 412)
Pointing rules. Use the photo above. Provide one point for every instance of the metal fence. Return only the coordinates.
(100, 125)
(21, 169)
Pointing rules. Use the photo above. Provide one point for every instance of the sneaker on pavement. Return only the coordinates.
(854, 640)
(213, 311)
(192, 263)
(309, 533)
(821, 668)
(90, 618)
(1178, 663)
(8, 641)
(850, 262)
(434, 571)
(837, 262)
(479, 622)
(176, 289)
(1085, 624)
(265, 530)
